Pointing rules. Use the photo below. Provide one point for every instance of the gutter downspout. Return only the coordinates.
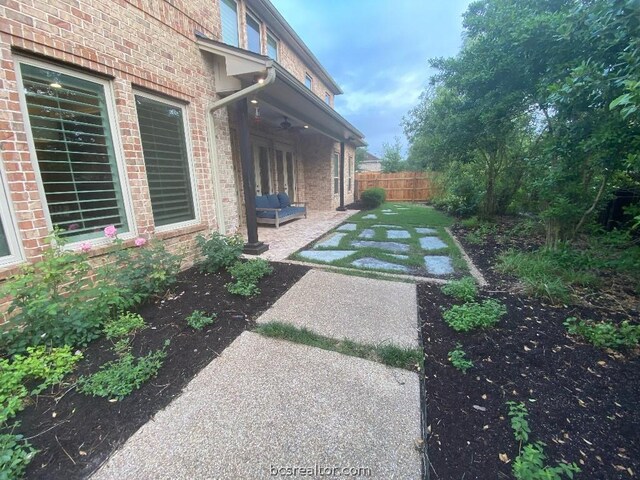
(245, 92)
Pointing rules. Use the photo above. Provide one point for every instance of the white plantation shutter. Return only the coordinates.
(74, 148)
(166, 160)
(229, 16)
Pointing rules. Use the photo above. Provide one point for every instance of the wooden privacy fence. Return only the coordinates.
(400, 186)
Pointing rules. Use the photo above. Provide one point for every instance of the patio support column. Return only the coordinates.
(253, 245)
(341, 208)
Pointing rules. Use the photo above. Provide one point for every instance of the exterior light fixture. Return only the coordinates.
(261, 80)
(55, 85)
(306, 126)
(254, 100)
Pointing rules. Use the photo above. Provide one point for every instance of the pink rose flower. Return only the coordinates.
(140, 241)
(110, 231)
(85, 247)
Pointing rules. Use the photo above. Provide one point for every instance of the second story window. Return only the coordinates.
(229, 17)
(308, 81)
(272, 47)
(253, 34)
(327, 98)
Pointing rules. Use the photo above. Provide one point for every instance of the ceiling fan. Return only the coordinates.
(287, 126)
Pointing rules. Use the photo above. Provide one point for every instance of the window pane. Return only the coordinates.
(336, 173)
(327, 98)
(74, 148)
(229, 16)
(307, 81)
(4, 245)
(272, 47)
(253, 35)
(166, 160)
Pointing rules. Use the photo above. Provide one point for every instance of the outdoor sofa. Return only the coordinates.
(275, 209)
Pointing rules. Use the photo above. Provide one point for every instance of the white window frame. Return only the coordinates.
(310, 78)
(188, 145)
(246, 31)
(327, 98)
(350, 177)
(114, 126)
(238, 24)
(9, 224)
(275, 39)
(335, 176)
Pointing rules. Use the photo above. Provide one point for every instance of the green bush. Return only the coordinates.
(122, 326)
(605, 334)
(463, 318)
(246, 276)
(463, 289)
(15, 454)
(373, 197)
(461, 190)
(458, 359)
(118, 378)
(40, 364)
(198, 320)
(219, 251)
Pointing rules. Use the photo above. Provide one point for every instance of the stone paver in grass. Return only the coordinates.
(438, 264)
(386, 210)
(390, 246)
(371, 216)
(326, 255)
(390, 213)
(347, 227)
(398, 234)
(369, 262)
(330, 241)
(432, 243)
(399, 257)
(386, 226)
(367, 233)
(427, 231)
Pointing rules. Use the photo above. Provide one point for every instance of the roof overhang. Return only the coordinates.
(236, 69)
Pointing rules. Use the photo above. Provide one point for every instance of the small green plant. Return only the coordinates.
(246, 276)
(463, 289)
(605, 334)
(40, 364)
(373, 197)
(458, 359)
(530, 462)
(518, 414)
(15, 454)
(122, 346)
(198, 320)
(469, 316)
(471, 222)
(125, 324)
(118, 378)
(219, 251)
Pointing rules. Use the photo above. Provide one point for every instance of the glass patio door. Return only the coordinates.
(262, 169)
(285, 172)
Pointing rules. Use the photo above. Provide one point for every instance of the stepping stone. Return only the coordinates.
(367, 233)
(427, 231)
(438, 264)
(432, 243)
(388, 213)
(369, 262)
(330, 240)
(385, 211)
(399, 257)
(370, 217)
(396, 234)
(326, 255)
(386, 226)
(391, 246)
(347, 227)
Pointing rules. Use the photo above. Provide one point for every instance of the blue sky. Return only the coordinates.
(377, 51)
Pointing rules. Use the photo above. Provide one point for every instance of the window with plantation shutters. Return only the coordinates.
(73, 143)
(229, 17)
(166, 160)
(336, 173)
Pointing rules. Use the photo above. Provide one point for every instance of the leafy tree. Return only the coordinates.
(392, 160)
(361, 155)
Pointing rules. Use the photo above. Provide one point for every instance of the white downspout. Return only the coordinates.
(245, 92)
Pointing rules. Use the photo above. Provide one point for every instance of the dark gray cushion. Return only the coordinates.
(285, 201)
(273, 201)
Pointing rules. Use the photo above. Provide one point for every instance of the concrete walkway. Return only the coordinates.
(267, 407)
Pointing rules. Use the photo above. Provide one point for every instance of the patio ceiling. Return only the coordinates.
(237, 69)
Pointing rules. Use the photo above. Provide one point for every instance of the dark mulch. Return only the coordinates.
(582, 401)
(76, 433)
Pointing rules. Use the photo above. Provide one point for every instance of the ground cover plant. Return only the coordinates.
(198, 319)
(125, 324)
(219, 251)
(458, 359)
(605, 334)
(464, 289)
(246, 276)
(412, 225)
(474, 315)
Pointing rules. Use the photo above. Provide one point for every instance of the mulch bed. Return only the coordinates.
(582, 401)
(76, 433)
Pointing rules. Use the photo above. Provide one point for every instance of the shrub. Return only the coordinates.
(605, 334)
(122, 326)
(219, 251)
(458, 360)
(519, 424)
(246, 276)
(373, 197)
(118, 378)
(48, 366)
(463, 318)
(15, 455)
(198, 320)
(463, 289)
